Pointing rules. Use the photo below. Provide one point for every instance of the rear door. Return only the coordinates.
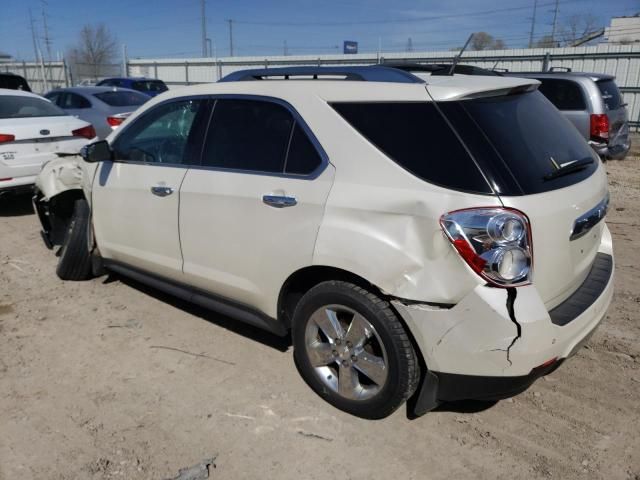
(135, 197)
(250, 215)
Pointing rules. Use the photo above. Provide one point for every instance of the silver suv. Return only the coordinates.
(593, 103)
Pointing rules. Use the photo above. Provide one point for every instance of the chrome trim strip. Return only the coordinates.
(590, 219)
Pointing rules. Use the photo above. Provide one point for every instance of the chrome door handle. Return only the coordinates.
(161, 191)
(279, 201)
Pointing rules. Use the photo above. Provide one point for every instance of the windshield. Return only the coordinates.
(519, 140)
(150, 86)
(122, 99)
(26, 107)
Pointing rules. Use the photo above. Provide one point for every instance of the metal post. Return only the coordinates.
(186, 72)
(204, 27)
(155, 70)
(125, 73)
(546, 61)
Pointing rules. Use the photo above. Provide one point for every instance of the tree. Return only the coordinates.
(545, 42)
(485, 41)
(95, 51)
(576, 27)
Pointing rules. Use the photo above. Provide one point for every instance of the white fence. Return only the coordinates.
(41, 76)
(623, 61)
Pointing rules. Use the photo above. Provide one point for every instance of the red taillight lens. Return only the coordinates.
(86, 132)
(115, 121)
(5, 137)
(495, 243)
(599, 126)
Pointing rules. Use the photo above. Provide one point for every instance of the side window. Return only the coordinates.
(610, 94)
(162, 135)
(564, 94)
(53, 97)
(73, 100)
(248, 135)
(302, 158)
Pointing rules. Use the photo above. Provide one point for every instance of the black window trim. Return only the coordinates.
(298, 120)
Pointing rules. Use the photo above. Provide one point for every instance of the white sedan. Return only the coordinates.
(32, 132)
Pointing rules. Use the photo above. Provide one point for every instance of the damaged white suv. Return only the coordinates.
(430, 239)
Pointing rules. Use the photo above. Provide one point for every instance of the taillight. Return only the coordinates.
(86, 132)
(5, 137)
(115, 121)
(495, 243)
(599, 126)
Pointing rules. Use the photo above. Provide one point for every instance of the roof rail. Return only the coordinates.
(560, 69)
(369, 73)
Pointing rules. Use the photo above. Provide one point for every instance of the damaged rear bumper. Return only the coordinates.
(496, 342)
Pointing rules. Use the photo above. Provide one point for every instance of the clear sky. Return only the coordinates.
(171, 28)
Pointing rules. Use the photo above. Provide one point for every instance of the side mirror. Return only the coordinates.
(96, 152)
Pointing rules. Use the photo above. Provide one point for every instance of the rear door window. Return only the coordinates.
(70, 100)
(417, 137)
(122, 99)
(248, 135)
(564, 94)
(302, 158)
(610, 94)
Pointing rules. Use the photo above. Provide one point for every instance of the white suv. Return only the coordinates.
(427, 240)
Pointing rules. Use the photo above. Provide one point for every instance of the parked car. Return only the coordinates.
(148, 86)
(32, 132)
(593, 103)
(11, 81)
(388, 223)
(104, 107)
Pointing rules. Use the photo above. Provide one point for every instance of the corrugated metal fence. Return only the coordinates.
(41, 77)
(623, 61)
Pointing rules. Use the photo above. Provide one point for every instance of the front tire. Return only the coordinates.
(74, 261)
(353, 351)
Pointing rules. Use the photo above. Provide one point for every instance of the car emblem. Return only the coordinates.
(44, 132)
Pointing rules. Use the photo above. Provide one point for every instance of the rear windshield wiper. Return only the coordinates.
(568, 168)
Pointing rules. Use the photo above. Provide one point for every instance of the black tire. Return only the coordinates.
(402, 367)
(74, 261)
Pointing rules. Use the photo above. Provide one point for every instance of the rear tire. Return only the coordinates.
(74, 261)
(361, 360)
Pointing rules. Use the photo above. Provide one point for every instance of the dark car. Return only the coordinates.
(148, 86)
(13, 82)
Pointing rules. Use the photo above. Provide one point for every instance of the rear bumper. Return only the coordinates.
(477, 350)
(614, 152)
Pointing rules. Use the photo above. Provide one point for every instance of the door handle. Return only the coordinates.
(161, 191)
(279, 201)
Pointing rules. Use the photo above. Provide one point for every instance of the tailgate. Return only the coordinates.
(560, 263)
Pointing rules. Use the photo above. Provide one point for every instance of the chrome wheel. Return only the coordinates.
(346, 352)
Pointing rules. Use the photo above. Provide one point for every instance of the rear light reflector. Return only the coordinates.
(115, 121)
(86, 132)
(5, 179)
(5, 137)
(599, 127)
(495, 243)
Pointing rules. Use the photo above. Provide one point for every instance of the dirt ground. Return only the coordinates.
(108, 379)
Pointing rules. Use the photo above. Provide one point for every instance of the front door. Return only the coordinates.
(136, 196)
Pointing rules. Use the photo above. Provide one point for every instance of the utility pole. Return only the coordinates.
(285, 49)
(533, 23)
(33, 36)
(230, 37)
(409, 45)
(204, 27)
(555, 20)
(125, 61)
(47, 39)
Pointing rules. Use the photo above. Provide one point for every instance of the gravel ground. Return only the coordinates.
(108, 379)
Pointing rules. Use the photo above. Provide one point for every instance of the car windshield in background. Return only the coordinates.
(150, 86)
(26, 107)
(610, 94)
(122, 99)
(526, 134)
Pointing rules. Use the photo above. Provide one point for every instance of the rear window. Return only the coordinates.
(564, 94)
(122, 99)
(610, 94)
(26, 107)
(416, 137)
(150, 86)
(519, 140)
